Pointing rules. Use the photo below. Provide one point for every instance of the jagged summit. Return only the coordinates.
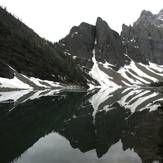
(148, 18)
(102, 23)
(161, 12)
(147, 33)
(146, 13)
(160, 15)
(149, 13)
(100, 38)
(99, 19)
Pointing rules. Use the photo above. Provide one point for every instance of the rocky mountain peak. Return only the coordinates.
(100, 38)
(160, 15)
(161, 12)
(147, 33)
(146, 13)
(102, 30)
(147, 19)
(101, 23)
(103, 33)
(99, 19)
(109, 46)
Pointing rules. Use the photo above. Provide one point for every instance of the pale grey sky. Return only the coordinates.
(52, 19)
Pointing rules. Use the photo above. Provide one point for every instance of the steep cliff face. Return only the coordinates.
(109, 46)
(79, 43)
(144, 40)
(100, 40)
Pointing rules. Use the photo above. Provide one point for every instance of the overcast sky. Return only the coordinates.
(52, 19)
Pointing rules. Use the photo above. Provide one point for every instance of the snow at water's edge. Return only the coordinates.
(13, 83)
(16, 83)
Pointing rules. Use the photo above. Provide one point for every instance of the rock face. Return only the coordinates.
(5, 71)
(109, 46)
(80, 43)
(80, 40)
(86, 39)
(144, 40)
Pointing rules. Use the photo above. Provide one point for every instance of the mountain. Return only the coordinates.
(132, 58)
(85, 40)
(90, 55)
(23, 52)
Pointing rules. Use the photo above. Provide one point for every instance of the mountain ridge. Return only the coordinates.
(89, 55)
(23, 50)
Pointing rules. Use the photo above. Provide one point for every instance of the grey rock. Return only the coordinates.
(145, 38)
(109, 46)
(82, 40)
(5, 71)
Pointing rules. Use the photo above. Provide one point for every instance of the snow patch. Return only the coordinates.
(74, 57)
(108, 65)
(67, 53)
(100, 76)
(156, 67)
(73, 34)
(13, 83)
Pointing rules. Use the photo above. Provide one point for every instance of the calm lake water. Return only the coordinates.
(101, 126)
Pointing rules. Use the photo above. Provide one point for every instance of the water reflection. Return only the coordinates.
(103, 126)
(53, 147)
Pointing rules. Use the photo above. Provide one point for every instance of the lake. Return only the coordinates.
(99, 126)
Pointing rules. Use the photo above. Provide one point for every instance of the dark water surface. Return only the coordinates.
(105, 126)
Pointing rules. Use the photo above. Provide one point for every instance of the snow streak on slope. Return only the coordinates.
(134, 74)
(27, 83)
(21, 81)
(44, 83)
(97, 74)
(134, 99)
(141, 74)
(13, 83)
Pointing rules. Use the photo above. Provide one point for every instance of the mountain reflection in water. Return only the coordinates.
(101, 126)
